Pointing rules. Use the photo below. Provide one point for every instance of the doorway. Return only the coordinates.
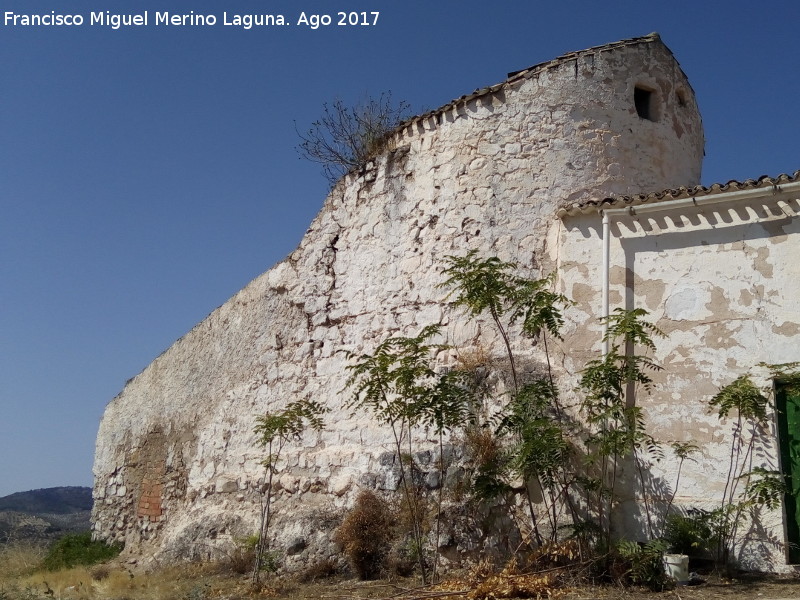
(787, 403)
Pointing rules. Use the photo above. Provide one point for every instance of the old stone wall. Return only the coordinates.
(177, 468)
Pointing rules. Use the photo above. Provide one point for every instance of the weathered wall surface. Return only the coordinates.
(177, 468)
(722, 282)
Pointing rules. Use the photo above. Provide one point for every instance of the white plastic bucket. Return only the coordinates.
(677, 567)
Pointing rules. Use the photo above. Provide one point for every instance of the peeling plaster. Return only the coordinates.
(787, 328)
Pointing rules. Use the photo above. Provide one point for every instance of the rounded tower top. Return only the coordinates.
(620, 118)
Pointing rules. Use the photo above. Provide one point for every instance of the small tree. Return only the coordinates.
(682, 451)
(345, 137)
(617, 427)
(533, 421)
(483, 285)
(747, 487)
(446, 407)
(275, 430)
(538, 449)
(399, 384)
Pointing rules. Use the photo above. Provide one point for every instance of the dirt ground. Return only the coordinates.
(746, 587)
(203, 582)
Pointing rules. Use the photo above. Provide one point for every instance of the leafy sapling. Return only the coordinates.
(401, 386)
(274, 430)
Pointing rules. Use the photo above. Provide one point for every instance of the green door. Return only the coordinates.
(787, 397)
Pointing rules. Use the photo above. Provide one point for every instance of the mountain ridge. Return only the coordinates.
(44, 514)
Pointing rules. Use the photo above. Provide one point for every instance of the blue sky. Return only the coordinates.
(147, 174)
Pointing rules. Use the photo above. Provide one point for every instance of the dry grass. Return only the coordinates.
(474, 358)
(187, 582)
(68, 583)
(550, 573)
(20, 580)
(17, 559)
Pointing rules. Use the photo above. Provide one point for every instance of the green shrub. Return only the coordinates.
(689, 534)
(78, 549)
(271, 561)
(644, 564)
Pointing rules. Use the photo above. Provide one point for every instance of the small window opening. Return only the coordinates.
(642, 98)
(681, 95)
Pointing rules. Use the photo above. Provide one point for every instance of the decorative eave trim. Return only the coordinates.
(764, 182)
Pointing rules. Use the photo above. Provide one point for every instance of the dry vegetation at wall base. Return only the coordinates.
(21, 579)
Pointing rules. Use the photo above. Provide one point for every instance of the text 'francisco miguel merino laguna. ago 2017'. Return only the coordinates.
(190, 19)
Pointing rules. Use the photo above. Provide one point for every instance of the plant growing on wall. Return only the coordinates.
(533, 422)
(399, 384)
(616, 424)
(345, 137)
(538, 448)
(274, 430)
(747, 487)
(483, 285)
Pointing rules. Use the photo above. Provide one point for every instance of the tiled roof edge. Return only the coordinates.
(698, 191)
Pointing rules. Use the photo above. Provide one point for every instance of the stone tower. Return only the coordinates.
(177, 467)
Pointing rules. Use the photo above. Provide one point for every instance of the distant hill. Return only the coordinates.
(46, 514)
(56, 500)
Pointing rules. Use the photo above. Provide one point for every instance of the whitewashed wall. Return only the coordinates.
(722, 283)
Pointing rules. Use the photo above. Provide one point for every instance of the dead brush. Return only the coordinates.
(555, 554)
(100, 572)
(322, 569)
(365, 535)
(485, 583)
(239, 558)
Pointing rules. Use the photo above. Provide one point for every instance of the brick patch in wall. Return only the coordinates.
(150, 501)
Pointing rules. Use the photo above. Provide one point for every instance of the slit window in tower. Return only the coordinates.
(642, 98)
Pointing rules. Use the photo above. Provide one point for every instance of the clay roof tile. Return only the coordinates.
(697, 191)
